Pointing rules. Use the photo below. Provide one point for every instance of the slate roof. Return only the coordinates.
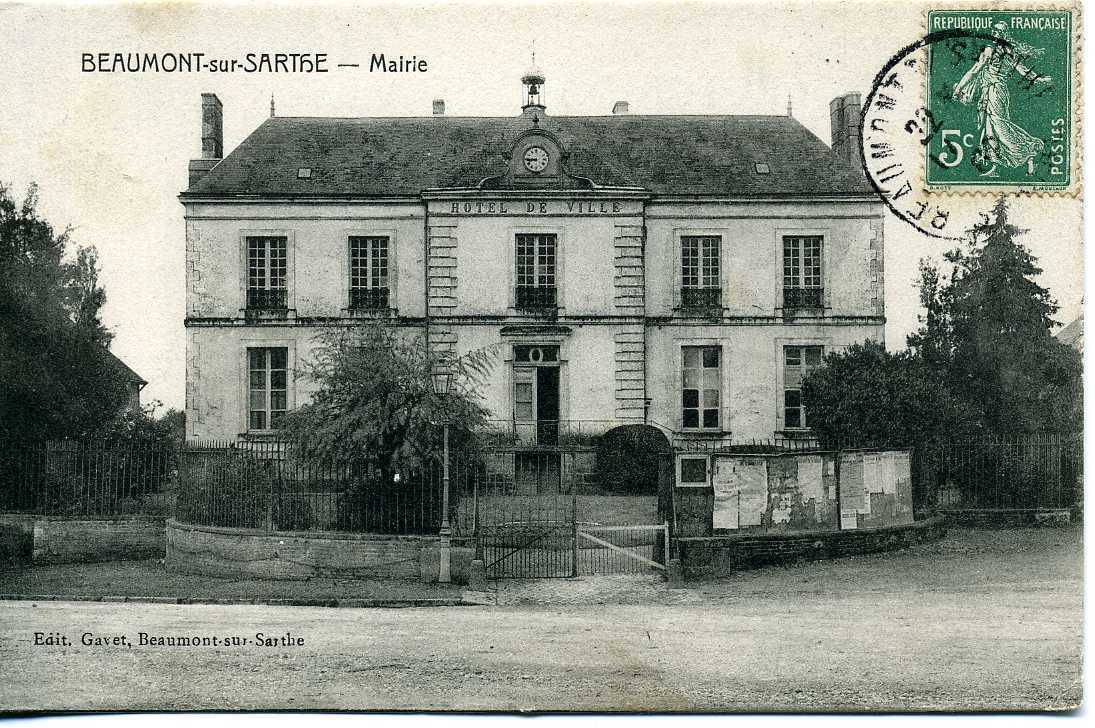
(676, 155)
(124, 369)
(1073, 334)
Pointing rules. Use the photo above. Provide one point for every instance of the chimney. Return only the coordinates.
(212, 138)
(844, 116)
(212, 127)
(619, 108)
(439, 107)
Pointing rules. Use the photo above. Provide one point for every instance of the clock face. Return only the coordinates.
(536, 159)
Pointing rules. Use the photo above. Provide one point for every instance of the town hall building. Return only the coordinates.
(680, 271)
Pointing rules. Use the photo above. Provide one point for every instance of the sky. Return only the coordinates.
(109, 152)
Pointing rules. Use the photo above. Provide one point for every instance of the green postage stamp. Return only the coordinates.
(1000, 94)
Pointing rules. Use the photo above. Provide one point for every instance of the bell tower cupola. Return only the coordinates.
(533, 82)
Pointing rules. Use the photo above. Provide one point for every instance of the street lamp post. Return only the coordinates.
(442, 380)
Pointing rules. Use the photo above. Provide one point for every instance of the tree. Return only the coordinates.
(865, 396)
(56, 378)
(375, 401)
(144, 428)
(987, 331)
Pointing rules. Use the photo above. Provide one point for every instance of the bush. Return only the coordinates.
(866, 396)
(627, 459)
(226, 489)
(293, 512)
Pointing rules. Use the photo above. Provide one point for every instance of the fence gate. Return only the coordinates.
(533, 516)
(629, 549)
(529, 537)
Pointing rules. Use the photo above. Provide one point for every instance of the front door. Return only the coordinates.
(547, 405)
(536, 407)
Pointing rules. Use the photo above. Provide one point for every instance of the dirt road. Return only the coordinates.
(872, 641)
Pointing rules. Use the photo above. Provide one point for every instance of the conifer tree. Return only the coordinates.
(987, 330)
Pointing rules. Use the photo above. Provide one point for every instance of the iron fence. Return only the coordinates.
(1026, 472)
(263, 485)
(86, 478)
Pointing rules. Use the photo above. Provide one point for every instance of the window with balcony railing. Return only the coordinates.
(369, 288)
(803, 286)
(701, 285)
(535, 288)
(267, 273)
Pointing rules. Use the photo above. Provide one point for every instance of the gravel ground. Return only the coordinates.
(987, 621)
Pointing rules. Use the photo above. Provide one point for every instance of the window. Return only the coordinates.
(700, 392)
(700, 281)
(535, 354)
(536, 271)
(369, 272)
(267, 259)
(798, 361)
(802, 282)
(267, 387)
(693, 472)
(524, 398)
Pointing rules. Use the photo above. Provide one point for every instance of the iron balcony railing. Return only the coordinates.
(267, 299)
(536, 298)
(803, 298)
(706, 298)
(368, 299)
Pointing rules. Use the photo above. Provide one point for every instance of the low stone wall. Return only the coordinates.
(64, 540)
(1008, 517)
(16, 544)
(722, 555)
(253, 553)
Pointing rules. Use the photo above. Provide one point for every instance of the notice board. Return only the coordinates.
(741, 491)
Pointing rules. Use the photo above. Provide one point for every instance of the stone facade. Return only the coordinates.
(617, 324)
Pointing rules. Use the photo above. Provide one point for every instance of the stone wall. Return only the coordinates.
(714, 556)
(60, 540)
(250, 553)
(1008, 517)
(16, 544)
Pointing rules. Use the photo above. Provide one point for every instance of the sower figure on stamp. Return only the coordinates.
(1002, 140)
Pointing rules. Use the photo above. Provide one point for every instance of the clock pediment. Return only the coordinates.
(536, 159)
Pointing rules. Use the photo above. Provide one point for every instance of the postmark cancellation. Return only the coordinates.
(985, 103)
